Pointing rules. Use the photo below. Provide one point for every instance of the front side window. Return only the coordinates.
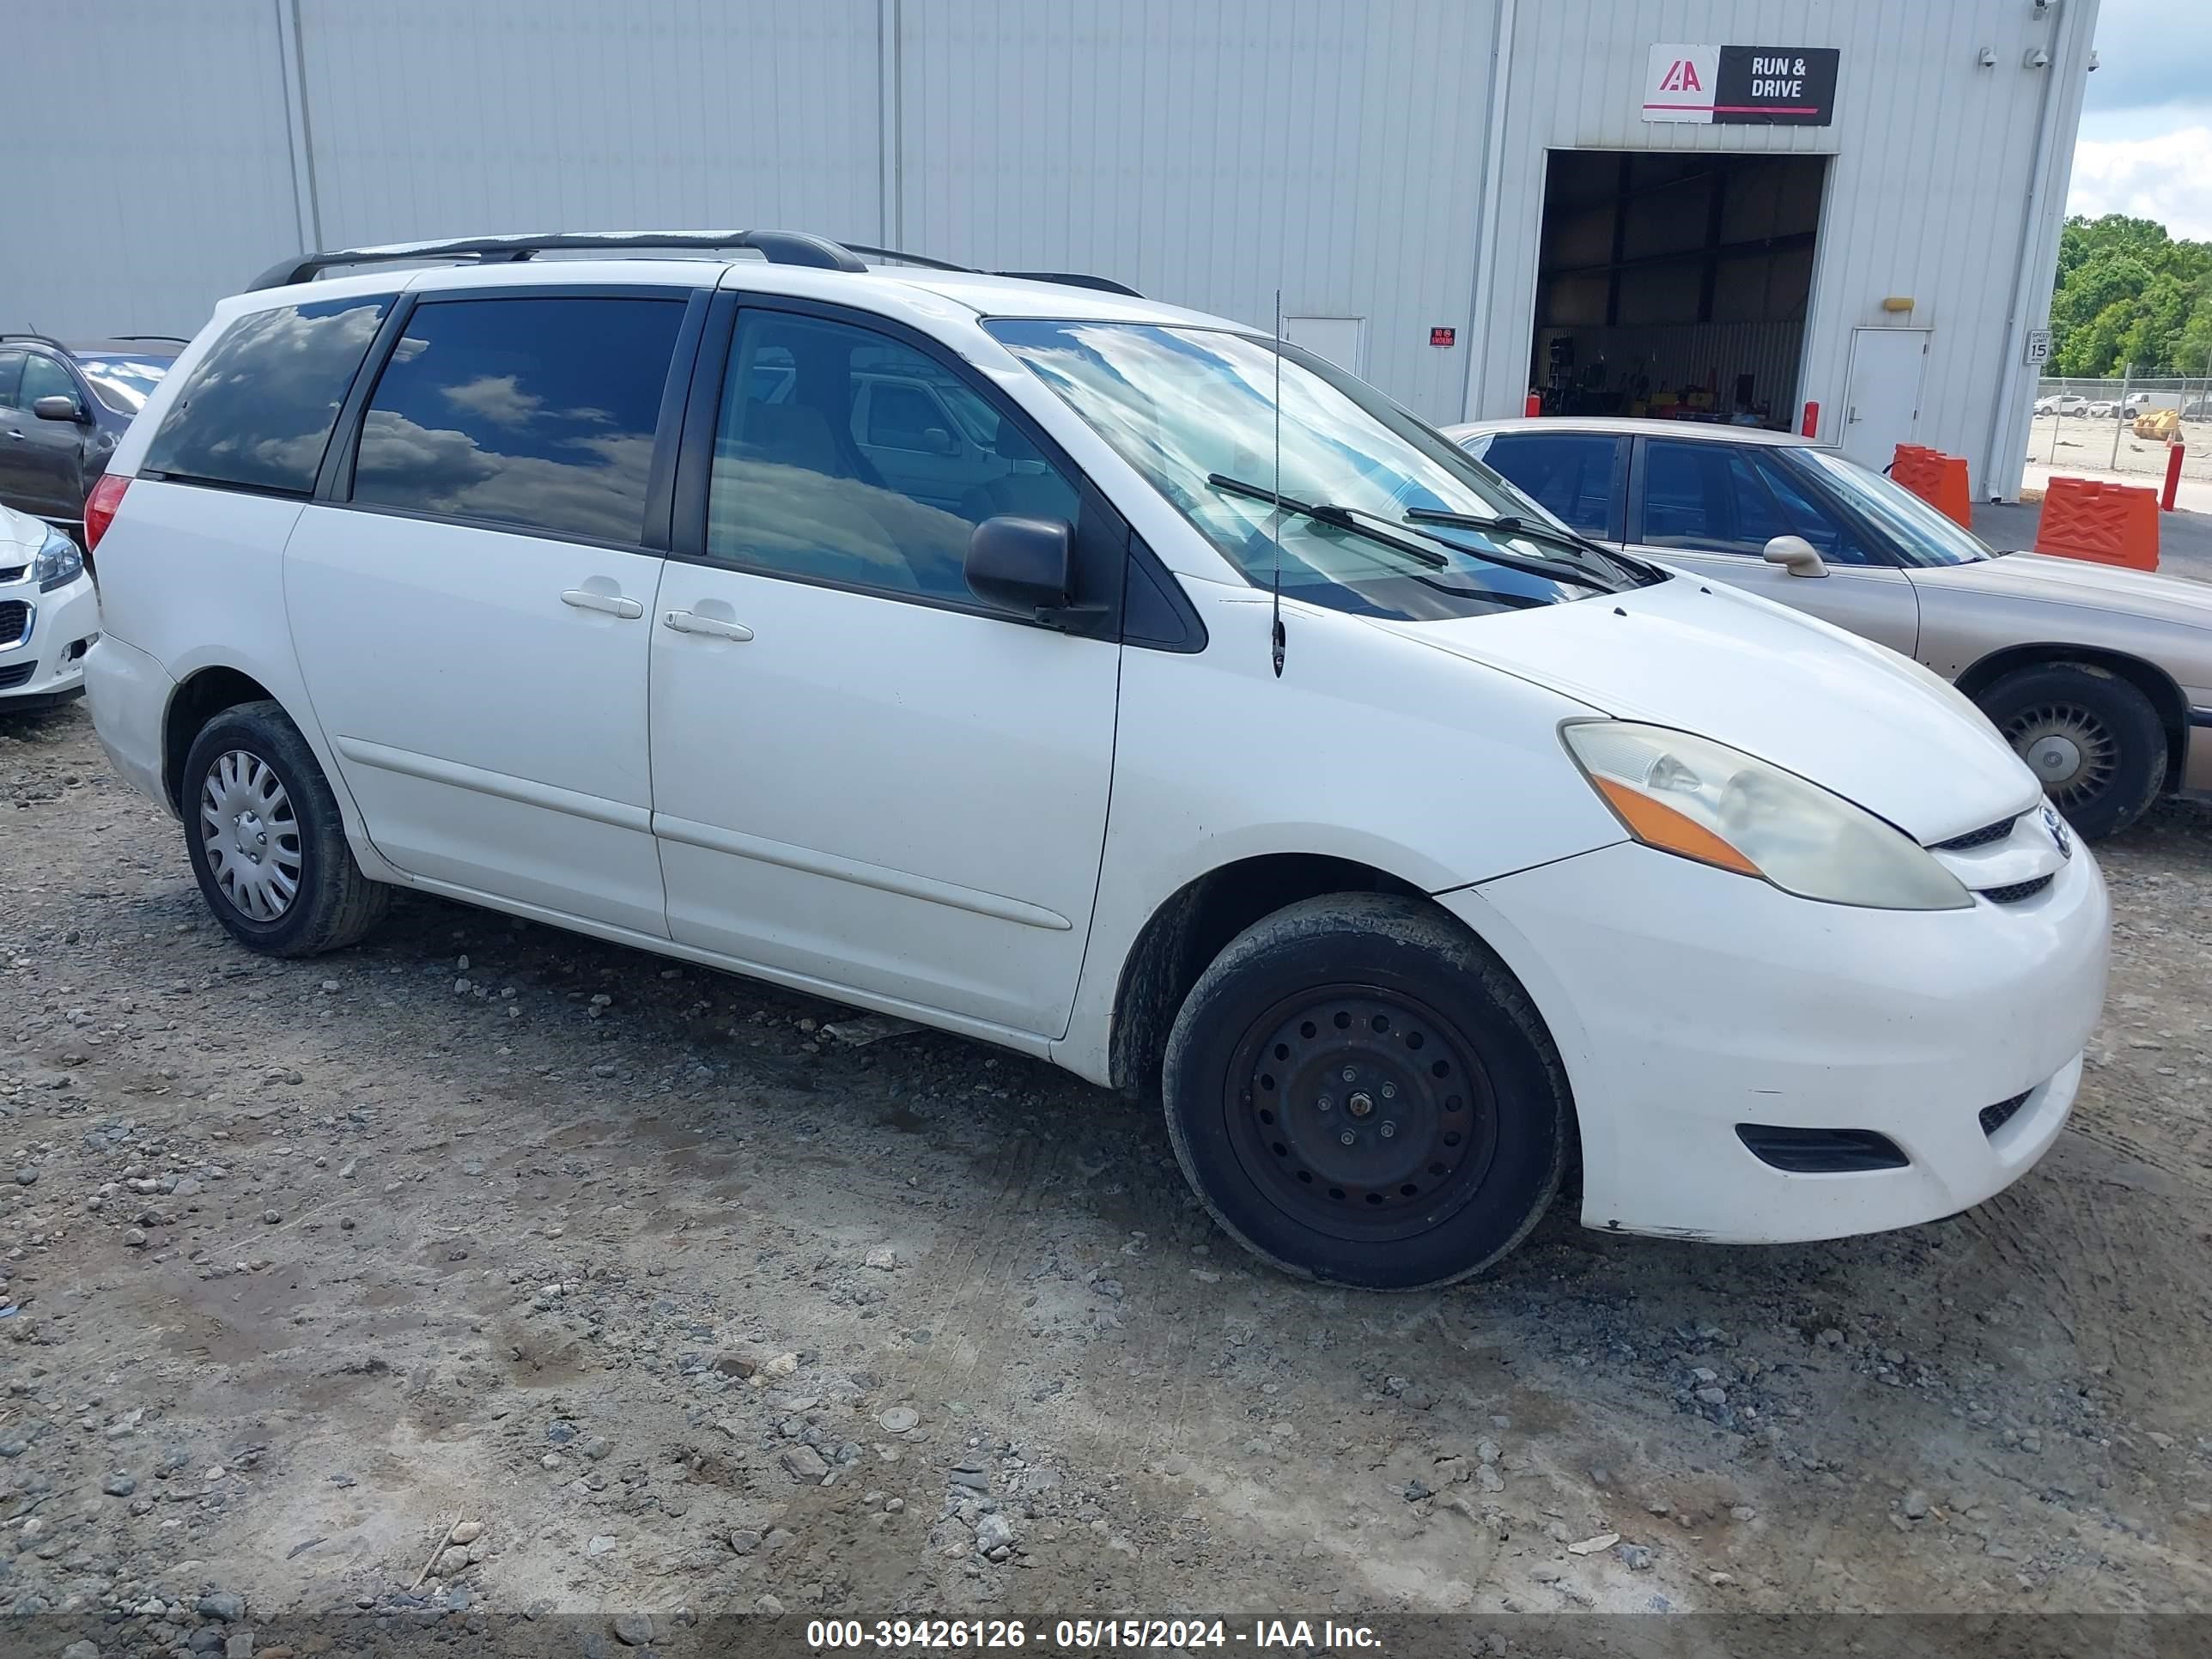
(1570, 474)
(1193, 410)
(1705, 497)
(11, 378)
(538, 413)
(258, 410)
(45, 378)
(805, 484)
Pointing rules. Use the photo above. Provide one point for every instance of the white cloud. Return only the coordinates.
(2167, 178)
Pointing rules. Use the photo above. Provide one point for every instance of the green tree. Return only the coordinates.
(2128, 294)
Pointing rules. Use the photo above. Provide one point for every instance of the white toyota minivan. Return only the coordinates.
(1104, 681)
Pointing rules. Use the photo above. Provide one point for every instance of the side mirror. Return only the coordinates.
(58, 408)
(1026, 565)
(938, 442)
(1796, 555)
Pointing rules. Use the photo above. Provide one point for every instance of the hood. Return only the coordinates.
(1855, 718)
(2077, 582)
(20, 530)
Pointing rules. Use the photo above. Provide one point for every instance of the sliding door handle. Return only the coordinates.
(612, 604)
(690, 622)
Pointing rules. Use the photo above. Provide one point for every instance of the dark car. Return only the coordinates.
(62, 408)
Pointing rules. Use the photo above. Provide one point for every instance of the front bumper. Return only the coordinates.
(46, 660)
(1685, 1000)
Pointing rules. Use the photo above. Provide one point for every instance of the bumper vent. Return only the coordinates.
(1819, 1152)
(13, 615)
(12, 677)
(14, 572)
(1973, 838)
(1994, 1118)
(2016, 892)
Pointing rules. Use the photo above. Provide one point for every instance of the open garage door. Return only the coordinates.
(1675, 284)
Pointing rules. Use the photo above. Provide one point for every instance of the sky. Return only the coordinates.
(2146, 142)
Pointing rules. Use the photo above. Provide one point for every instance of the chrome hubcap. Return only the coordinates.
(2068, 749)
(249, 836)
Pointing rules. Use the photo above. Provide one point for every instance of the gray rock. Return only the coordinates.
(225, 1605)
(600, 1545)
(80, 1649)
(803, 1463)
(769, 1607)
(777, 1539)
(119, 1484)
(26, 1175)
(596, 1448)
(451, 1561)
(744, 1540)
(900, 1419)
(633, 1629)
(205, 1639)
(994, 1533)
(238, 1644)
(1915, 1505)
(1635, 1557)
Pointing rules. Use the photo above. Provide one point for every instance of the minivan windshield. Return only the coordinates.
(1194, 410)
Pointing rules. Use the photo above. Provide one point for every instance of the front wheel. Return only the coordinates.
(2091, 739)
(266, 843)
(1360, 1092)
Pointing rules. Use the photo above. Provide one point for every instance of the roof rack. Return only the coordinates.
(166, 339)
(779, 247)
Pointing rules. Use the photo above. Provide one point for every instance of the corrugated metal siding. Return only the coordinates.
(1208, 153)
(1925, 198)
(430, 118)
(148, 171)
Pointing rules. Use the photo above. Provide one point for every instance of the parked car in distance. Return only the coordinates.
(49, 616)
(2106, 409)
(2062, 403)
(574, 590)
(2197, 409)
(62, 410)
(2099, 678)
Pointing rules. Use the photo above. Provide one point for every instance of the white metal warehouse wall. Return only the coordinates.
(1928, 195)
(1205, 150)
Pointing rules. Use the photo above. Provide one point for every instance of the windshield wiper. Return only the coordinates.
(1328, 513)
(1507, 524)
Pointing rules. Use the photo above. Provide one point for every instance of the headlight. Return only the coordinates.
(59, 561)
(1702, 800)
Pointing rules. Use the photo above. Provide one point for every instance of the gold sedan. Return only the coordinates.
(2101, 677)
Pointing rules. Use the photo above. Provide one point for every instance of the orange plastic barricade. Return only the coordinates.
(2106, 523)
(1938, 479)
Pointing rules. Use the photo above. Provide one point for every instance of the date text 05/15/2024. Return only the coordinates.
(1087, 1634)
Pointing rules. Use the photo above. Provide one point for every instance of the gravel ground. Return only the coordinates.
(673, 1299)
(2075, 442)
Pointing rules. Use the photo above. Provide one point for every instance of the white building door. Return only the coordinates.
(1881, 404)
(1342, 340)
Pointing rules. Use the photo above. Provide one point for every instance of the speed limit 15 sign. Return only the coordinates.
(2038, 346)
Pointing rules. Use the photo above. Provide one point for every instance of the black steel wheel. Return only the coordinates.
(1360, 1092)
(2092, 739)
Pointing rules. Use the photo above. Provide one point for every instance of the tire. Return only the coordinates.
(1458, 1107)
(258, 812)
(2091, 737)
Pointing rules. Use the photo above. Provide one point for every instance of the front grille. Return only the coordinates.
(1973, 838)
(15, 617)
(2016, 892)
(1994, 1118)
(1819, 1152)
(11, 677)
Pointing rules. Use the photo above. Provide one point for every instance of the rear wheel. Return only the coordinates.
(2091, 739)
(1360, 1092)
(266, 843)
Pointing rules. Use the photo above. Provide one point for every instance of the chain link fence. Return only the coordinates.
(2123, 425)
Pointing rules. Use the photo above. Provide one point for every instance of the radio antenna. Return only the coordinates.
(1276, 528)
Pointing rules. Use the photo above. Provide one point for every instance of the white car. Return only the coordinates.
(49, 614)
(1407, 853)
(2070, 402)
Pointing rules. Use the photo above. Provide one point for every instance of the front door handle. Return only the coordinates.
(612, 605)
(690, 622)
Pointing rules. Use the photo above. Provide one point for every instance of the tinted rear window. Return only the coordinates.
(539, 413)
(258, 410)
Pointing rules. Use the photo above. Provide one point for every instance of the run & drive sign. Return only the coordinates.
(1741, 86)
